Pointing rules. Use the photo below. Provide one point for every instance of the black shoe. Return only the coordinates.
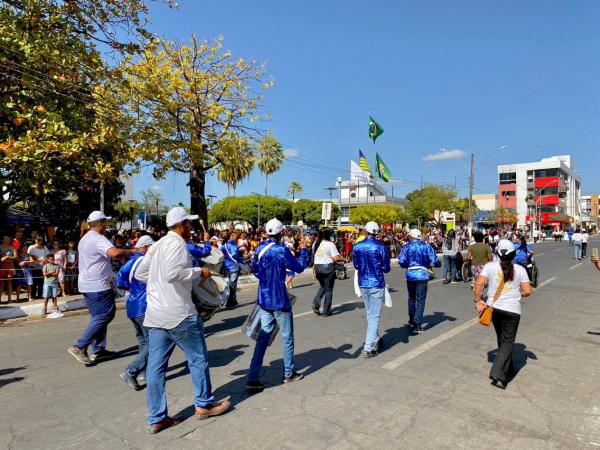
(369, 354)
(293, 377)
(446, 281)
(232, 305)
(102, 355)
(130, 380)
(316, 310)
(379, 344)
(255, 385)
(417, 329)
(327, 314)
(498, 383)
(411, 321)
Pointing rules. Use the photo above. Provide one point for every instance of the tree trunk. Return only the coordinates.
(197, 195)
(266, 183)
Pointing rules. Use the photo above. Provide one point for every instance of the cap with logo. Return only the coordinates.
(505, 247)
(273, 227)
(177, 215)
(143, 241)
(415, 234)
(97, 215)
(372, 228)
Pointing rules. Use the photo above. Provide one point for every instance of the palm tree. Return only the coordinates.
(237, 161)
(293, 189)
(270, 156)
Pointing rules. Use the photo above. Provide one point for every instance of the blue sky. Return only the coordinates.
(461, 75)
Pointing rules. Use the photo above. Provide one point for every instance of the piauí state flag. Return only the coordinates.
(382, 169)
(375, 129)
(364, 164)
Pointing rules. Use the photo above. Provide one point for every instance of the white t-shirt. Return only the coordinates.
(510, 299)
(584, 237)
(577, 237)
(326, 252)
(95, 270)
(39, 253)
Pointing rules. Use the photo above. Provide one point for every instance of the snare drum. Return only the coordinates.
(252, 326)
(209, 295)
(245, 267)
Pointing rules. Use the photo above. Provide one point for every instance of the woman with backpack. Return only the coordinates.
(507, 284)
(450, 249)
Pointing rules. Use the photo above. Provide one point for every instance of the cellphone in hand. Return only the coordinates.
(595, 253)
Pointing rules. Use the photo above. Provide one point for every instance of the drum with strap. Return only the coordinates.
(211, 294)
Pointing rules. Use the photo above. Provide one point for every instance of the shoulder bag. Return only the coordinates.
(485, 316)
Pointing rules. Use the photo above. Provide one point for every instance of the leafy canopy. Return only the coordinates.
(246, 209)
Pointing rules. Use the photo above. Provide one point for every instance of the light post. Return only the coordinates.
(210, 199)
(339, 183)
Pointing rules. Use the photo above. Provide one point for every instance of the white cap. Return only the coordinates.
(144, 240)
(505, 247)
(274, 227)
(97, 215)
(415, 234)
(372, 228)
(177, 215)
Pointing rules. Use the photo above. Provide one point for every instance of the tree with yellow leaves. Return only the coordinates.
(195, 108)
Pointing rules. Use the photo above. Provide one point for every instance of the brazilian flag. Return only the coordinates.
(375, 129)
(382, 169)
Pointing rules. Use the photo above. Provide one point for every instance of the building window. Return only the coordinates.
(508, 178)
(549, 191)
(509, 193)
(547, 173)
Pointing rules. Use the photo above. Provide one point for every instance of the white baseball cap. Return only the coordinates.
(372, 228)
(274, 227)
(505, 247)
(415, 233)
(144, 240)
(177, 215)
(97, 215)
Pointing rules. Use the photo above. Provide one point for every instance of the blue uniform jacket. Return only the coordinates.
(232, 256)
(270, 271)
(198, 251)
(522, 254)
(372, 260)
(136, 300)
(418, 253)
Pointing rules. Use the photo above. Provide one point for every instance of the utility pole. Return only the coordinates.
(102, 196)
(471, 180)
(339, 218)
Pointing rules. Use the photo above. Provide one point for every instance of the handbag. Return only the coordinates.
(485, 316)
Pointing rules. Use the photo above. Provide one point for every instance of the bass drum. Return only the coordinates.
(209, 295)
(245, 267)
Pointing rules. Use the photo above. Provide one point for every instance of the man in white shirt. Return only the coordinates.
(173, 320)
(95, 277)
(577, 244)
(584, 241)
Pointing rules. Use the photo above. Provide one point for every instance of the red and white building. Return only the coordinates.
(544, 194)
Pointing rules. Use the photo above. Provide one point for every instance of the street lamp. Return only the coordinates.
(339, 183)
(210, 199)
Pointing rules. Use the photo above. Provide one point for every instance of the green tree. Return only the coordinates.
(246, 209)
(376, 213)
(188, 103)
(461, 208)
(294, 188)
(151, 201)
(423, 203)
(237, 163)
(124, 211)
(309, 211)
(270, 157)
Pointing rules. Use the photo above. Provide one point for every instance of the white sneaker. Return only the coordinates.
(55, 315)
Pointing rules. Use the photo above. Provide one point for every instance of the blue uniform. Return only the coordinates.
(198, 251)
(419, 255)
(232, 257)
(270, 271)
(372, 260)
(522, 254)
(136, 300)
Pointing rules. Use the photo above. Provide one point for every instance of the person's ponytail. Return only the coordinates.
(507, 266)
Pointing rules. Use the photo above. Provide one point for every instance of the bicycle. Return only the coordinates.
(533, 272)
(466, 272)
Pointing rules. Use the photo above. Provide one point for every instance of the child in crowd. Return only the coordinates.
(71, 269)
(24, 278)
(51, 286)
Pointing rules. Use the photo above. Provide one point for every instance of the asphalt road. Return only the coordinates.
(427, 391)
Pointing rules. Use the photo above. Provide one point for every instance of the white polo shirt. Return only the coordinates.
(95, 270)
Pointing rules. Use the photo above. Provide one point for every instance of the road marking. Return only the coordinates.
(539, 254)
(575, 266)
(306, 313)
(394, 364)
(548, 281)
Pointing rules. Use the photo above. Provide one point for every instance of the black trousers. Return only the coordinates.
(37, 290)
(326, 281)
(506, 324)
(583, 249)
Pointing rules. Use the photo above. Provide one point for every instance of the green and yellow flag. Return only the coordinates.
(375, 129)
(382, 169)
(364, 164)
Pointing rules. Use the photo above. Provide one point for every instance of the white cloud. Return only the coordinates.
(444, 155)
(157, 187)
(291, 153)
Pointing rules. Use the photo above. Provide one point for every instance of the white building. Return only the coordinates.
(486, 202)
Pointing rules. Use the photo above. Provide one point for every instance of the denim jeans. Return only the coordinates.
(101, 306)
(583, 249)
(577, 249)
(449, 267)
(327, 282)
(138, 365)
(417, 293)
(285, 320)
(189, 337)
(233, 281)
(373, 299)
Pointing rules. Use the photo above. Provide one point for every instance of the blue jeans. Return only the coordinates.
(450, 267)
(138, 365)
(417, 293)
(233, 281)
(51, 290)
(285, 321)
(373, 299)
(189, 337)
(101, 306)
(577, 249)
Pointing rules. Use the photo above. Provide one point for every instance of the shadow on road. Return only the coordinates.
(519, 360)
(402, 334)
(225, 325)
(216, 358)
(595, 333)
(11, 370)
(346, 307)
(10, 380)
